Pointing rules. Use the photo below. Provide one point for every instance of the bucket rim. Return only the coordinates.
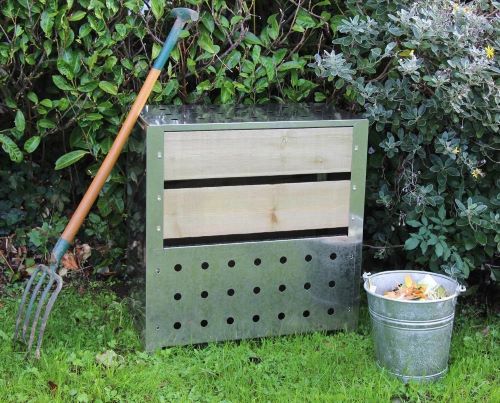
(450, 297)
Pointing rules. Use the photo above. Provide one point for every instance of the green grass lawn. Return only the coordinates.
(314, 367)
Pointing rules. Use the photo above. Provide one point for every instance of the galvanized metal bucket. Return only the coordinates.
(412, 338)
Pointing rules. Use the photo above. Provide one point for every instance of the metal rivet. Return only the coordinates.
(158, 197)
(158, 228)
(354, 187)
(351, 256)
(353, 218)
(356, 148)
(159, 154)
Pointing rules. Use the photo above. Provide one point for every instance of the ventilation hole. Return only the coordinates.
(203, 323)
(178, 267)
(177, 296)
(256, 318)
(204, 265)
(331, 311)
(157, 271)
(307, 286)
(281, 316)
(204, 294)
(256, 290)
(231, 263)
(257, 262)
(331, 284)
(333, 256)
(305, 314)
(282, 287)
(157, 327)
(230, 292)
(177, 325)
(230, 321)
(308, 258)
(283, 259)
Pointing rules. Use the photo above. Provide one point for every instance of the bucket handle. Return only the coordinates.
(366, 276)
(461, 289)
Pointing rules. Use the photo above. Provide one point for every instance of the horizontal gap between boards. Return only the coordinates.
(262, 236)
(256, 180)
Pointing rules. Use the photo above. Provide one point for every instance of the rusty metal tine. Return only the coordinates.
(48, 309)
(34, 294)
(39, 307)
(23, 300)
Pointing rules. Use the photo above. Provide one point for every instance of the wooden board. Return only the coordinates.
(263, 152)
(209, 211)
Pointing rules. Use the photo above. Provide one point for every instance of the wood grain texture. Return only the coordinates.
(210, 211)
(243, 153)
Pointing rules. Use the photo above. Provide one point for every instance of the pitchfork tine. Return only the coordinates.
(48, 309)
(23, 301)
(39, 307)
(31, 303)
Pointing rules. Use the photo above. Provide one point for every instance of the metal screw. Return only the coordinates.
(158, 197)
(353, 218)
(356, 148)
(351, 256)
(354, 187)
(159, 154)
(158, 228)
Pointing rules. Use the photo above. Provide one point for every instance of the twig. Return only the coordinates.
(383, 74)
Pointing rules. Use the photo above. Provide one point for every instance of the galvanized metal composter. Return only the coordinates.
(246, 221)
(412, 338)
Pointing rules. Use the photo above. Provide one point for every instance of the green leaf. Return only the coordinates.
(70, 158)
(205, 42)
(61, 83)
(46, 124)
(273, 28)
(481, 237)
(292, 64)
(46, 23)
(252, 39)
(46, 102)
(20, 122)
(93, 116)
(32, 144)
(319, 97)
(158, 8)
(32, 97)
(11, 148)
(413, 223)
(108, 87)
(208, 21)
(469, 243)
(411, 243)
(77, 15)
(439, 250)
(442, 213)
(88, 87)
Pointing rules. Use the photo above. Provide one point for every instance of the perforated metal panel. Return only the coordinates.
(227, 289)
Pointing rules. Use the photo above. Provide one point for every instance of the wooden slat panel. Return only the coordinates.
(209, 211)
(234, 153)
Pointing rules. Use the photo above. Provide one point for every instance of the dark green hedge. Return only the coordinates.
(70, 69)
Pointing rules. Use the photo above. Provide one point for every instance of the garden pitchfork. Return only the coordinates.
(46, 277)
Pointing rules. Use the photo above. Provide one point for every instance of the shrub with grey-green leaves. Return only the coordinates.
(426, 76)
